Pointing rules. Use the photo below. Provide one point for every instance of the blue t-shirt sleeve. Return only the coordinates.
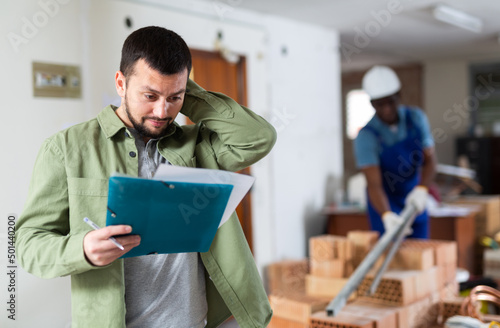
(366, 149)
(420, 120)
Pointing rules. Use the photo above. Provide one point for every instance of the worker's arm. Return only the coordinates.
(238, 136)
(418, 196)
(379, 200)
(376, 192)
(428, 168)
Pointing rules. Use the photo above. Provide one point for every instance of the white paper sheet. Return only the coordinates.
(452, 210)
(241, 182)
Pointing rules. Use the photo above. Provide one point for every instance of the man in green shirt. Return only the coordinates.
(69, 182)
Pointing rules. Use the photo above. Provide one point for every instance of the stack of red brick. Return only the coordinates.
(291, 305)
(421, 274)
(334, 258)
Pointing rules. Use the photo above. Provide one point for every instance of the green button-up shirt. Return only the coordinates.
(70, 181)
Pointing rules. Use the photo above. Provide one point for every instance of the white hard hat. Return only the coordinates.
(380, 82)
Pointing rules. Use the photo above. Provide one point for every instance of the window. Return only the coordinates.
(359, 112)
(484, 100)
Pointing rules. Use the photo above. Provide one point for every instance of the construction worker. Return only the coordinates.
(395, 151)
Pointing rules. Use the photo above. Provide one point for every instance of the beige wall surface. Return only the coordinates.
(446, 90)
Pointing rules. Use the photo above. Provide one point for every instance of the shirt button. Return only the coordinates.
(132, 154)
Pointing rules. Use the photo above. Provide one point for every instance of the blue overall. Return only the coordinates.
(400, 166)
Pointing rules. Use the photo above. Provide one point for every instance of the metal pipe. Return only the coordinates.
(408, 215)
(395, 246)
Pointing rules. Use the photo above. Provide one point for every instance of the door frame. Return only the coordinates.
(244, 209)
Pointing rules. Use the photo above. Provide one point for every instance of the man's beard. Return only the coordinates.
(141, 128)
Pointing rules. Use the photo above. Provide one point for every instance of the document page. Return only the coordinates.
(241, 183)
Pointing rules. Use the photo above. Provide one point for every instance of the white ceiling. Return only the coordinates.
(410, 35)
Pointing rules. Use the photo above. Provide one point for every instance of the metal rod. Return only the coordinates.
(359, 274)
(395, 246)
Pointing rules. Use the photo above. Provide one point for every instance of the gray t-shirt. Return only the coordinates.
(164, 290)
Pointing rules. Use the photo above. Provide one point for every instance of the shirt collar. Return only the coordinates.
(111, 124)
(377, 122)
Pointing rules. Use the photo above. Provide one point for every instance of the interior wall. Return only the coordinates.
(45, 31)
(307, 159)
(292, 78)
(448, 94)
(446, 87)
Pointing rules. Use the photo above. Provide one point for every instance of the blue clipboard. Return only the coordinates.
(170, 217)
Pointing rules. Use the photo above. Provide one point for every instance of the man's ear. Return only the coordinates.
(120, 84)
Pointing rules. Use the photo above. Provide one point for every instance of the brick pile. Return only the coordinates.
(450, 307)
(410, 294)
(420, 276)
(287, 276)
(331, 263)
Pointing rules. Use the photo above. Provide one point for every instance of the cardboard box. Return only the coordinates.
(488, 217)
(487, 220)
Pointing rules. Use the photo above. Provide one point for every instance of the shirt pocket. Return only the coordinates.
(87, 198)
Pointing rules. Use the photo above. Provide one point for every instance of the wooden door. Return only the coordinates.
(214, 73)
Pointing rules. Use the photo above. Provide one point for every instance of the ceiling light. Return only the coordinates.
(458, 18)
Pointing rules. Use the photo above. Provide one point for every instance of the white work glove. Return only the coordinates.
(418, 198)
(393, 221)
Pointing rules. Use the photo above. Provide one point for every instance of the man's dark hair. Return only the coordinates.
(162, 49)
